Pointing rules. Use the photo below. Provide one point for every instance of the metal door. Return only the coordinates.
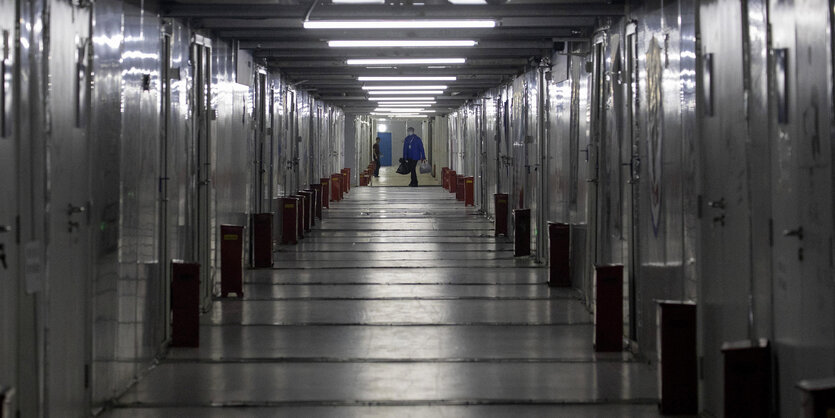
(725, 217)
(802, 195)
(8, 206)
(67, 334)
(385, 148)
(201, 61)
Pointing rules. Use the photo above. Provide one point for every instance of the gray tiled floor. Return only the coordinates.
(396, 308)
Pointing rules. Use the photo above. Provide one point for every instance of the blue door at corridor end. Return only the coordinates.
(385, 148)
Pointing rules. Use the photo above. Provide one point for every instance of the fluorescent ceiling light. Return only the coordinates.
(398, 44)
(382, 99)
(398, 24)
(404, 104)
(392, 92)
(403, 88)
(400, 115)
(468, 1)
(405, 61)
(408, 78)
(404, 110)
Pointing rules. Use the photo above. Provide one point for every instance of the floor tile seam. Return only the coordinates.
(366, 267)
(389, 402)
(396, 284)
(384, 360)
(314, 251)
(393, 298)
(392, 324)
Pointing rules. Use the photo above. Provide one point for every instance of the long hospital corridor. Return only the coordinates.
(401, 303)
(584, 208)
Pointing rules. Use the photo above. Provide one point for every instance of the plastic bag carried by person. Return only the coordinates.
(403, 168)
(425, 168)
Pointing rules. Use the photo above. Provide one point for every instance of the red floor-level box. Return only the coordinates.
(336, 185)
(469, 191)
(608, 308)
(818, 400)
(459, 189)
(748, 377)
(300, 206)
(319, 199)
(559, 235)
(308, 208)
(262, 240)
(185, 304)
(500, 200)
(521, 232)
(451, 182)
(231, 260)
(325, 183)
(289, 218)
(678, 386)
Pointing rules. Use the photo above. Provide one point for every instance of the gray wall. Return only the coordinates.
(128, 172)
(697, 204)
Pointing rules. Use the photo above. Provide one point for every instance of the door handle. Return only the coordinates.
(718, 204)
(71, 210)
(794, 233)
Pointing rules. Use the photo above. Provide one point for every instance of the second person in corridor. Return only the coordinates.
(412, 153)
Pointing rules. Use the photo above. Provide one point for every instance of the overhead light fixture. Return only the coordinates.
(416, 99)
(394, 110)
(392, 92)
(403, 88)
(468, 1)
(400, 115)
(408, 78)
(398, 24)
(404, 104)
(400, 44)
(405, 61)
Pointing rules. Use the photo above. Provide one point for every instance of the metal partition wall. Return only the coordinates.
(490, 147)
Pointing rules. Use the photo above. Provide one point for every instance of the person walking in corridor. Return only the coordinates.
(377, 157)
(413, 153)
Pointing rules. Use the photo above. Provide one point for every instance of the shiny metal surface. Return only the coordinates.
(726, 224)
(10, 135)
(403, 340)
(580, 411)
(65, 344)
(801, 168)
(110, 329)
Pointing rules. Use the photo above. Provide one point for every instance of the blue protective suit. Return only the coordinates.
(413, 148)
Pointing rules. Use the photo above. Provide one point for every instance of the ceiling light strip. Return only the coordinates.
(439, 87)
(398, 24)
(407, 78)
(405, 61)
(402, 44)
(394, 92)
(415, 99)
